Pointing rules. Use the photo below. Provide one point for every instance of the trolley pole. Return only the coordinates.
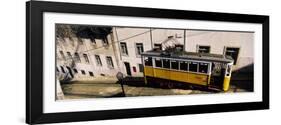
(184, 39)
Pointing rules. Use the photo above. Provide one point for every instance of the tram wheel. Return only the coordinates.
(162, 84)
(170, 85)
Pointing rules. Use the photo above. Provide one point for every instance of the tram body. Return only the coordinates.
(209, 70)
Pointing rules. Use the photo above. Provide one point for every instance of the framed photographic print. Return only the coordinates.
(95, 62)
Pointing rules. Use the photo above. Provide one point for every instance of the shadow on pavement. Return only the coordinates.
(244, 78)
(139, 82)
(121, 94)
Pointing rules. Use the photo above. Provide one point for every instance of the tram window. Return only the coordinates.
(175, 64)
(203, 67)
(166, 63)
(193, 66)
(158, 63)
(228, 70)
(148, 61)
(183, 65)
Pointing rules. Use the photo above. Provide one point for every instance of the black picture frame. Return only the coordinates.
(34, 61)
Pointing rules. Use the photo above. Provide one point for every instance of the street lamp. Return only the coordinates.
(120, 77)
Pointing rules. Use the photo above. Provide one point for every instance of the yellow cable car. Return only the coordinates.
(174, 68)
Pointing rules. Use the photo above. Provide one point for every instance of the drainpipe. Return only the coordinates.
(115, 49)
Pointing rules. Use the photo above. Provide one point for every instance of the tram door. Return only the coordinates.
(223, 70)
(128, 68)
(217, 75)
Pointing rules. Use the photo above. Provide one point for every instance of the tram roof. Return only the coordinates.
(189, 55)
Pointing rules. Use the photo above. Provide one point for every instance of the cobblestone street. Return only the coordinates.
(80, 90)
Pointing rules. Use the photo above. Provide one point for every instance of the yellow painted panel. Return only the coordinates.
(200, 79)
(148, 71)
(162, 73)
(226, 82)
(179, 76)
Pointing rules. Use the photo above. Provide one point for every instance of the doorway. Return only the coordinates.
(128, 68)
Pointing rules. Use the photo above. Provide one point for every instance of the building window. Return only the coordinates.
(157, 46)
(86, 58)
(233, 52)
(203, 67)
(91, 73)
(124, 50)
(62, 55)
(93, 40)
(148, 61)
(139, 49)
(77, 57)
(98, 60)
(69, 71)
(80, 41)
(193, 66)
(62, 69)
(105, 41)
(69, 55)
(109, 62)
(83, 72)
(140, 68)
(75, 70)
(174, 64)
(179, 47)
(203, 49)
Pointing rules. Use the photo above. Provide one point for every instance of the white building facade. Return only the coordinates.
(120, 50)
(84, 59)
